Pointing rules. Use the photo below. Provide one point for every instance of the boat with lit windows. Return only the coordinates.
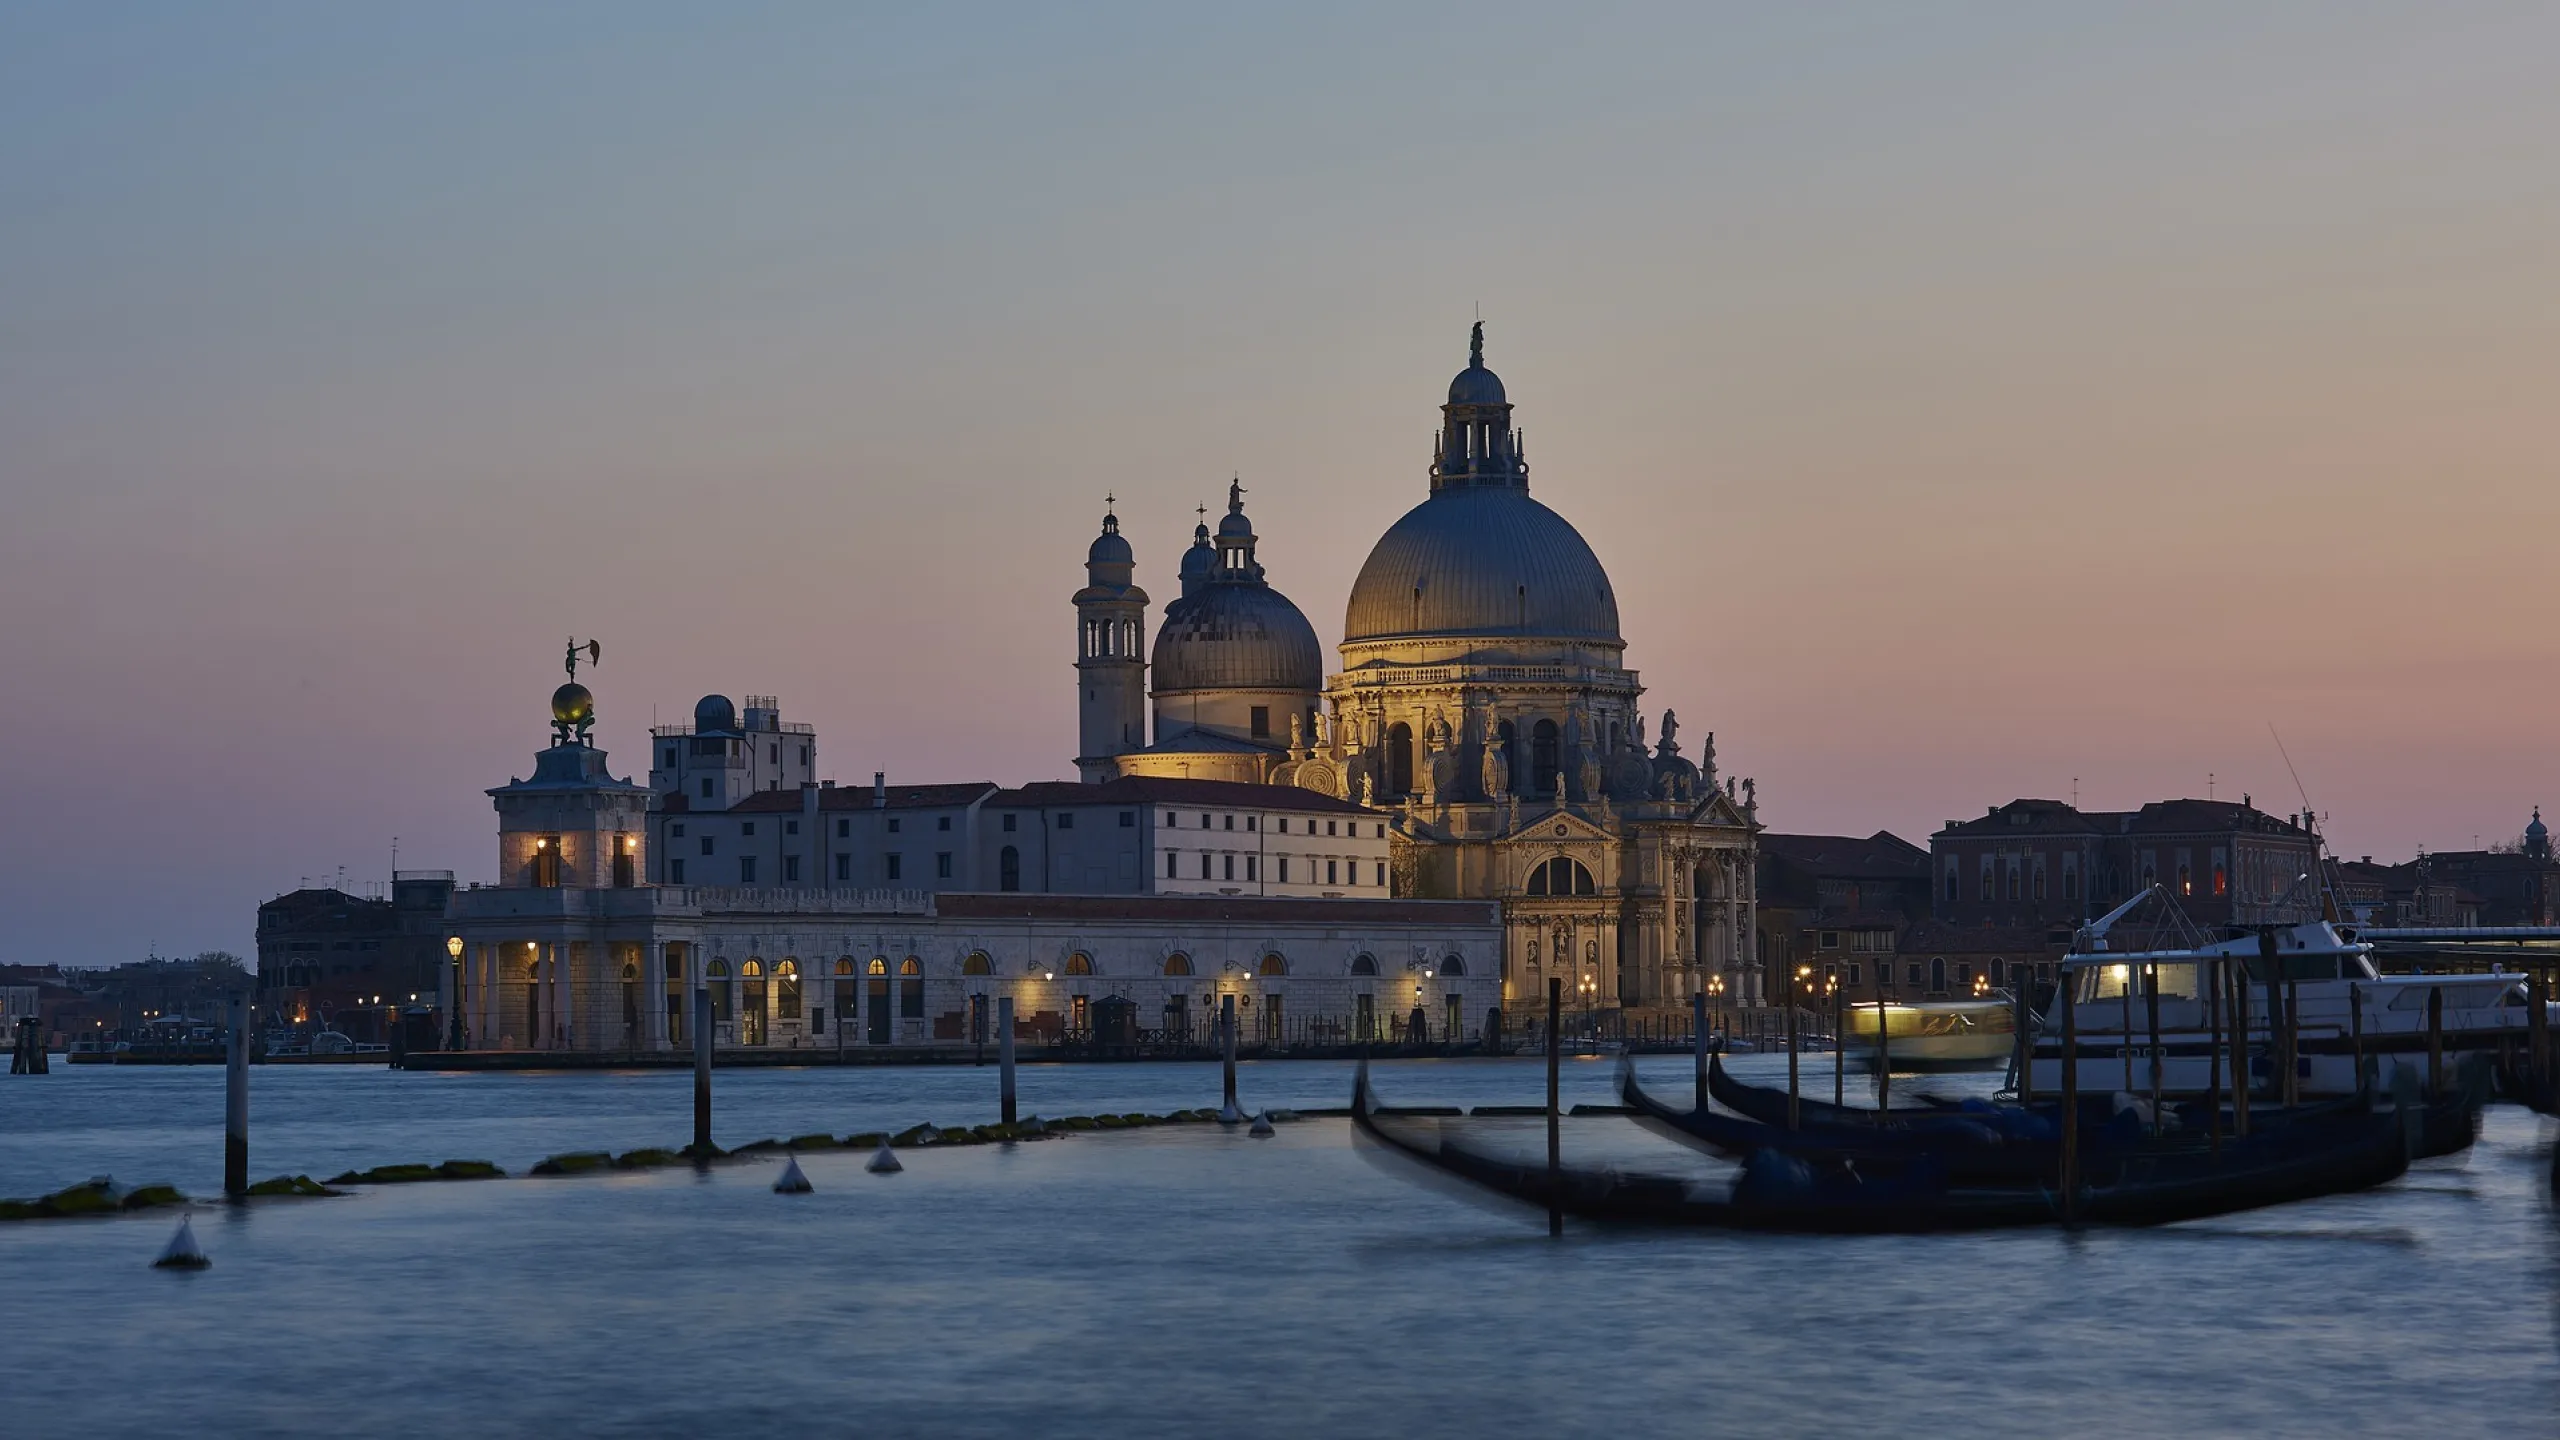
(1937, 1034)
(2312, 980)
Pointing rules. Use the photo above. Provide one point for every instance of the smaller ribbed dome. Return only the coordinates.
(1476, 385)
(2536, 830)
(1236, 637)
(714, 712)
(1110, 547)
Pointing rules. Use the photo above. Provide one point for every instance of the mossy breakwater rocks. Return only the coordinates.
(302, 1185)
(576, 1162)
(101, 1196)
(415, 1174)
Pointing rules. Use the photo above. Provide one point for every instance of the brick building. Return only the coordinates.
(1838, 904)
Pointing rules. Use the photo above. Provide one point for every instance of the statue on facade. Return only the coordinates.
(1297, 735)
(1496, 776)
(1360, 789)
(1671, 734)
(1435, 730)
(1639, 727)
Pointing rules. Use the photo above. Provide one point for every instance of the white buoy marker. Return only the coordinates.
(883, 1161)
(182, 1252)
(792, 1181)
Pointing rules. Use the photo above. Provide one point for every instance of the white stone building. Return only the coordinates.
(576, 950)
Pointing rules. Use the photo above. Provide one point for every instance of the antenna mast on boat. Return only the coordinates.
(2332, 909)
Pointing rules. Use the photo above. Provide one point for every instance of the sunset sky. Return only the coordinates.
(1965, 400)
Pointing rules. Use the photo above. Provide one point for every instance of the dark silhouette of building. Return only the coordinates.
(356, 964)
(1835, 907)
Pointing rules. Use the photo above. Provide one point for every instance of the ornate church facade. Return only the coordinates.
(1483, 701)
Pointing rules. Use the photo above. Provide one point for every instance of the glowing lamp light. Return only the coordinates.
(453, 946)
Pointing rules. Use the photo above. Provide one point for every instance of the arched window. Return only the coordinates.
(1009, 869)
(875, 998)
(1274, 965)
(1561, 876)
(786, 990)
(977, 964)
(1937, 972)
(1079, 964)
(1999, 971)
(2013, 882)
(1368, 964)
(1177, 964)
(719, 970)
(1399, 760)
(911, 989)
(845, 966)
(751, 1003)
(630, 972)
(878, 967)
(1544, 763)
(1453, 965)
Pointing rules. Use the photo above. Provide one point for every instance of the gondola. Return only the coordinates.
(1987, 1139)
(1813, 1195)
(1769, 1107)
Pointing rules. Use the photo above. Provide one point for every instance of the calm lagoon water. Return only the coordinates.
(1184, 1280)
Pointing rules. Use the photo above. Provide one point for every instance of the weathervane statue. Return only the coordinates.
(573, 706)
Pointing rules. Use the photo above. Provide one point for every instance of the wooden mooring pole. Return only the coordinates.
(1004, 1052)
(1698, 1027)
(2537, 1027)
(2213, 1054)
(2151, 1014)
(1555, 1127)
(235, 1101)
(2069, 1179)
(702, 1069)
(1227, 1047)
(1794, 1104)
(2240, 1076)
(1884, 1061)
(1839, 1046)
(2024, 1020)
(2435, 1041)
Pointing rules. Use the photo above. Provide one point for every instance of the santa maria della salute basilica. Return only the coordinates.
(1483, 701)
(1411, 847)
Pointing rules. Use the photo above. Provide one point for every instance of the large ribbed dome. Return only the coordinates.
(1482, 560)
(1236, 637)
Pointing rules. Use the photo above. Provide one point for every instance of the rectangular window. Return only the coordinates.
(1204, 822)
(675, 871)
(1250, 821)
(893, 824)
(844, 829)
(1231, 822)
(1284, 869)
(1328, 826)
(676, 830)
(1172, 864)
(1008, 824)
(1169, 821)
(942, 865)
(790, 869)
(1382, 830)
(941, 822)
(1204, 864)
(671, 759)
(1066, 820)
(1853, 972)
(1261, 722)
(2070, 883)
(747, 827)
(1128, 819)
(746, 869)
(1911, 972)
(895, 868)
(1331, 873)
(706, 787)
(706, 844)
(844, 867)
(1249, 868)
(790, 827)
(773, 754)
(1284, 824)
(1231, 867)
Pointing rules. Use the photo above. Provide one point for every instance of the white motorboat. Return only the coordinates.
(2341, 1007)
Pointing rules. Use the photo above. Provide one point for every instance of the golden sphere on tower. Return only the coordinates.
(571, 704)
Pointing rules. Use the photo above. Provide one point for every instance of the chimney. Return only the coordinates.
(879, 789)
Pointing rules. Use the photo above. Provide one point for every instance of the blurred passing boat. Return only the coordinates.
(1939, 1034)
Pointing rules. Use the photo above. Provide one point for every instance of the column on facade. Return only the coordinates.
(653, 995)
(484, 983)
(555, 1010)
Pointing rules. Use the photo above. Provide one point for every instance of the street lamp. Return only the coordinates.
(453, 947)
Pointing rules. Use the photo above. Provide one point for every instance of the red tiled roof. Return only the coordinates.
(862, 797)
(1165, 790)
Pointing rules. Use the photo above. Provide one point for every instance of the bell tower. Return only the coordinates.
(1111, 666)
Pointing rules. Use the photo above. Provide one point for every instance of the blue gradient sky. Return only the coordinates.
(1964, 398)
